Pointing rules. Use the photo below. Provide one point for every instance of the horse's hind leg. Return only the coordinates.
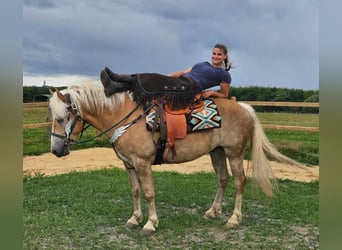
(218, 160)
(136, 192)
(236, 164)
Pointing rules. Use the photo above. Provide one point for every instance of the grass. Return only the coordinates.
(301, 146)
(35, 115)
(88, 211)
(289, 119)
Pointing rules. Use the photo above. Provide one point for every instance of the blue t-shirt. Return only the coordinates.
(208, 76)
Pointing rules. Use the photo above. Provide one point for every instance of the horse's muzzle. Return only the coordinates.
(63, 152)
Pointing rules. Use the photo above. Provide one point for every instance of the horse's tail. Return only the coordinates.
(260, 147)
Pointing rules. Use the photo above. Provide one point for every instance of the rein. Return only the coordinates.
(118, 132)
(71, 106)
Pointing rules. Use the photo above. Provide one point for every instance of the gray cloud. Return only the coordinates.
(271, 43)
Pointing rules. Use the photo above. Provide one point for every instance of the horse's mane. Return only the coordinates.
(88, 96)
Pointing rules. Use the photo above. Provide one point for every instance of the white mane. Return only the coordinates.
(88, 96)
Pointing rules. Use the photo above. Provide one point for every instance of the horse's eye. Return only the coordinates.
(60, 120)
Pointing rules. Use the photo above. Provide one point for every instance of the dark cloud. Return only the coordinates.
(271, 42)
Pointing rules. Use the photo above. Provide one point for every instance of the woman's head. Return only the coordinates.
(219, 56)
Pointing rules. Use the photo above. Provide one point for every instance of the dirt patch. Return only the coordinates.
(99, 158)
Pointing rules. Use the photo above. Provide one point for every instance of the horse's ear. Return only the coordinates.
(61, 96)
(52, 91)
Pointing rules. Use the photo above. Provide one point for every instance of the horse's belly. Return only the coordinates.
(194, 146)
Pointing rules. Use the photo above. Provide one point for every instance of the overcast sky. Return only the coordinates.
(271, 43)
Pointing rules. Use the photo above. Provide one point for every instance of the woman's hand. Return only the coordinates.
(212, 93)
(223, 93)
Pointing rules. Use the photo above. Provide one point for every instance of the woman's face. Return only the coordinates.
(217, 57)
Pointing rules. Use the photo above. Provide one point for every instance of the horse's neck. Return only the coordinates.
(109, 116)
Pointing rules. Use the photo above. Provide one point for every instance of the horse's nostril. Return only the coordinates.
(66, 151)
(58, 153)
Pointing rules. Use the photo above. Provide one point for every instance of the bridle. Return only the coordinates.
(70, 126)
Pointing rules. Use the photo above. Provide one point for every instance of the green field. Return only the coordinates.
(88, 211)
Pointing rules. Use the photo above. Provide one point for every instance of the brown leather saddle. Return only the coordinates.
(172, 125)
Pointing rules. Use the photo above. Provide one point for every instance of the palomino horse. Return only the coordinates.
(119, 117)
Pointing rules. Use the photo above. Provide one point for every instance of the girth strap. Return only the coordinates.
(159, 119)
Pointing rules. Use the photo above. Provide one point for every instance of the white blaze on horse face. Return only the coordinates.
(68, 129)
(59, 128)
(57, 143)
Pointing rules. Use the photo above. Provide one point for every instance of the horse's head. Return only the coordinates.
(67, 123)
(80, 106)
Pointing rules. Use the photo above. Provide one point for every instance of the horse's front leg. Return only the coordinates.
(146, 179)
(218, 160)
(236, 165)
(137, 216)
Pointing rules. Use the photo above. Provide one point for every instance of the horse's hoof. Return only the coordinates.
(133, 222)
(148, 232)
(230, 225)
(208, 216)
(131, 225)
(149, 228)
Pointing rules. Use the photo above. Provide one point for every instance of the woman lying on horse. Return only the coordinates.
(199, 78)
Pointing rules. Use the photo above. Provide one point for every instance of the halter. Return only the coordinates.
(69, 127)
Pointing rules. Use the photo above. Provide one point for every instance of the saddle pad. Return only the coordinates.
(208, 118)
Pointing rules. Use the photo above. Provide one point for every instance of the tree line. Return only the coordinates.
(254, 93)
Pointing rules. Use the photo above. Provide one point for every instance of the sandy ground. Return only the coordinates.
(98, 158)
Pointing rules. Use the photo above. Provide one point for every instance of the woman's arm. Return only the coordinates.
(223, 93)
(179, 73)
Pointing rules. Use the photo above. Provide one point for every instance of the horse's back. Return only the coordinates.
(234, 116)
(236, 127)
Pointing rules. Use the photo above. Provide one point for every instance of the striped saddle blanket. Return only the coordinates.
(207, 118)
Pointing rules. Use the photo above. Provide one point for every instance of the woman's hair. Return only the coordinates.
(227, 63)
